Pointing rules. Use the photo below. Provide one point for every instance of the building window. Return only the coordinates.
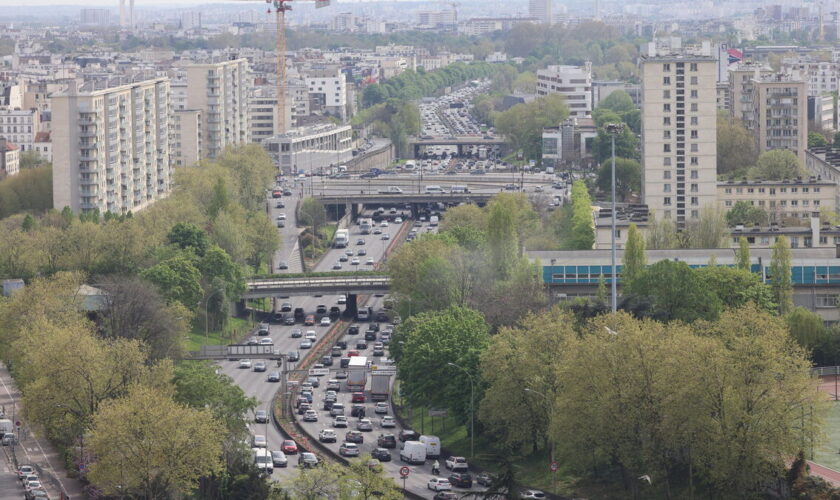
(693, 80)
(666, 201)
(666, 188)
(694, 148)
(666, 94)
(666, 108)
(666, 134)
(666, 161)
(693, 67)
(694, 93)
(666, 120)
(666, 67)
(666, 148)
(666, 80)
(694, 134)
(695, 214)
(695, 161)
(695, 201)
(666, 174)
(727, 190)
(694, 106)
(695, 188)
(694, 120)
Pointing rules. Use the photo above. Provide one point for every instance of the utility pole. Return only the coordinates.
(613, 129)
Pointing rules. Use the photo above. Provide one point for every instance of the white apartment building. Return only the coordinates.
(679, 132)
(434, 18)
(220, 91)
(263, 116)
(19, 126)
(780, 105)
(327, 91)
(572, 82)
(9, 158)
(111, 146)
(822, 77)
(307, 149)
(185, 147)
(540, 9)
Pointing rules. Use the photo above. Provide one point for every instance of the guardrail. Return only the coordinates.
(822, 371)
(272, 283)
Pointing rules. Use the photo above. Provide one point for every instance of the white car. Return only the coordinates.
(387, 421)
(456, 464)
(370, 262)
(398, 220)
(340, 422)
(531, 494)
(258, 441)
(348, 450)
(310, 416)
(310, 335)
(342, 299)
(439, 484)
(266, 341)
(381, 408)
(364, 425)
(327, 436)
(325, 321)
(384, 223)
(355, 261)
(244, 363)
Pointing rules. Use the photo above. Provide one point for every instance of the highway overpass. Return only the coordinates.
(405, 198)
(326, 285)
(416, 143)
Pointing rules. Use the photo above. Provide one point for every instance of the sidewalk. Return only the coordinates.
(34, 450)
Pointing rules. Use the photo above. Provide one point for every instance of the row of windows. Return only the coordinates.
(779, 203)
(771, 190)
(666, 94)
(667, 107)
(694, 148)
(666, 134)
(695, 174)
(666, 120)
(695, 201)
(800, 274)
(680, 66)
(694, 188)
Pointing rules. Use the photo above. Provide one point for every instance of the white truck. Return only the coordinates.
(262, 460)
(6, 426)
(380, 386)
(365, 225)
(391, 190)
(357, 373)
(413, 452)
(342, 238)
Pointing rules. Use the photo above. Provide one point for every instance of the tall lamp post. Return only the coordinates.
(613, 129)
(206, 303)
(472, 408)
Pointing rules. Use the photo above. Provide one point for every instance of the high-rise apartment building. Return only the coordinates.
(327, 91)
(111, 146)
(186, 137)
(572, 82)
(740, 90)
(540, 9)
(780, 106)
(220, 91)
(679, 132)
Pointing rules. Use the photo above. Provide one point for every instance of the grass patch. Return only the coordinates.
(533, 470)
(826, 453)
(197, 338)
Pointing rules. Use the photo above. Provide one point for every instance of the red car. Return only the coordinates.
(276, 193)
(357, 397)
(350, 354)
(289, 447)
(310, 320)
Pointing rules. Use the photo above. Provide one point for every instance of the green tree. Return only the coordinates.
(778, 164)
(742, 213)
(186, 235)
(626, 145)
(148, 445)
(815, 139)
(501, 238)
(736, 149)
(628, 177)
(618, 101)
(373, 94)
(780, 275)
(737, 287)
(424, 346)
(634, 259)
(742, 258)
(709, 230)
(515, 360)
(522, 124)
(661, 234)
(806, 327)
(313, 214)
(178, 280)
(581, 234)
(671, 290)
(219, 199)
(216, 263)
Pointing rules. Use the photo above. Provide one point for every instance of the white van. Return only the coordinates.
(432, 445)
(363, 314)
(434, 190)
(262, 460)
(413, 452)
(459, 190)
(433, 220)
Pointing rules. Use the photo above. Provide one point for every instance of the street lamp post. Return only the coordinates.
(613, 129)
(472, 408)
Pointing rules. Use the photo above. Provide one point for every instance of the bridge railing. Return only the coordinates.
(303, 282)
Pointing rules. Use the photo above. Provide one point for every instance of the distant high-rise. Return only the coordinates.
(127, 14)
(679, 132)
(540, 9)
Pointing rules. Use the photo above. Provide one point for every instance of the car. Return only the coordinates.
(282, 265)
(354, 437)
(340, 422)
(343, 258)
(263, 329)
(341, 344)
(335, 352)
(398, 220)
(355, 261)
(361, 344)
(387, 422)
(353, 330)
(484, 479)
(278, 458)
(357, 397)
(361, 252)
(351, 354)
(341, 374)
(384, 224)
(258, 441)
(337, 266)
(461, 480)
(370, 262)
(261, 417)
(327, 436)
(336, 410)
(381, 408)
(439, 484)
(378, 352)
(408, 435)
(360, 241)
(445, 495)
(342, 299)
(325, 321)
(308, 460)
(273, 377)
(306, 344)
(348, 450)
(289, 320)
(310, 320)
(456, 464)
(386, 236)
(326, 361)
(310, 335)
(377, 231)
(381, 454)
(286, 307)
(293, 356)
(364, 425)
(386, 441)
(25, 470)
(531, 494)
(333, 385)
(252, 341)
(266, 341)
(244, 363)
(315, 381)
(297, 333)
(289, 447)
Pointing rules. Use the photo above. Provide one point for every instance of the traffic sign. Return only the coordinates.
(404, 471)
(553, 466)
(17, 423)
